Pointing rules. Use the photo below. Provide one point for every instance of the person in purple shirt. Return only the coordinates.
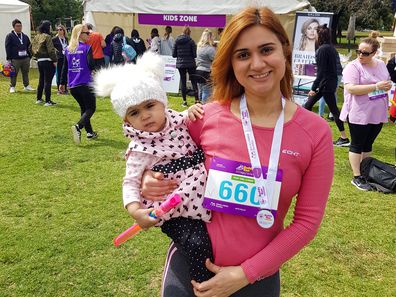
(77, 69)
(365, 108)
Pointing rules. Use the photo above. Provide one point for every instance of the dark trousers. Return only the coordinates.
(363, 136)
(87, 101)
(183, 80)
(59, 67)
(331, 102)
(99, 63)
(46, 71)
(23, 65)
(176, 280)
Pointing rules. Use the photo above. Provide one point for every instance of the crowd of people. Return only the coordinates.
(249, 80)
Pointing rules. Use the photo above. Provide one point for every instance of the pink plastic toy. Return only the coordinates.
(165, 207)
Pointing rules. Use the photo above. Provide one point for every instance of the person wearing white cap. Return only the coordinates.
(160, 142)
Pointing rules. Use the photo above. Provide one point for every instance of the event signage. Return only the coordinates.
(192, 20)
(171, 76)
(303, 57)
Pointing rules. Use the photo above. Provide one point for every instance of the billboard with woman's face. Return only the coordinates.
(305, 40)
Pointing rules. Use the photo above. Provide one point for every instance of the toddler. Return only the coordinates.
(160, 142)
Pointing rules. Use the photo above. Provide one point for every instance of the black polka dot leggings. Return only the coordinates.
(194, 242)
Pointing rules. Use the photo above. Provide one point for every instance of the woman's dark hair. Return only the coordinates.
(168, 31)
(324, 35)
(154, 32)
(119, 30)
(112, 30)
(16, 21)
(135, 33)
(45, 27)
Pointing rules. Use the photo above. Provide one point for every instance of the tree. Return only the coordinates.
(370, 14)
(54, 9)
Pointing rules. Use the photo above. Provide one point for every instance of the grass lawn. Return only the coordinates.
(61, 206)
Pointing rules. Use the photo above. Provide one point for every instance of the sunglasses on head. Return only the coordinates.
(366, 54)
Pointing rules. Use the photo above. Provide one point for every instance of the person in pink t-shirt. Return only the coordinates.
(288, 146)
(365, 107)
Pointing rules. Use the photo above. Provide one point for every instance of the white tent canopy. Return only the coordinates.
(10, 10)
(228, 7)
(105, 14)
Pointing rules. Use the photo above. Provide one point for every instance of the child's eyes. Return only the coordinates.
(133, 113)
(150, 105)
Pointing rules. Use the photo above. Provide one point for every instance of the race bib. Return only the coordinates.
(379, 94)
(231, 188)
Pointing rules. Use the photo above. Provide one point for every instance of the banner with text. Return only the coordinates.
(192, 20)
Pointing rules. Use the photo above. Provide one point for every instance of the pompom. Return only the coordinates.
(107, 78)
(152, 63)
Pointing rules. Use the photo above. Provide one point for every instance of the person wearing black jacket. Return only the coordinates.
(60, 43)
(325, 83)
(137, 43)
(116, 46)
(185, 52)
(17, 53)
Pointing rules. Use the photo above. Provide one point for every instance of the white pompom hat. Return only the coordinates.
(130, 84)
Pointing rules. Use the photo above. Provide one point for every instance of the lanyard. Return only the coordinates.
(63, 42)
(20, 39)
(264, 189)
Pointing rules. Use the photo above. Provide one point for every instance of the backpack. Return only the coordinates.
(128, 52)
(380, 175)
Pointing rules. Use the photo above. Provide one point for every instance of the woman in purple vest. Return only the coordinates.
(77, 69)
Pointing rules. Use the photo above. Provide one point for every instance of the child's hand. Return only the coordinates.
(195, 112)
(143, 219)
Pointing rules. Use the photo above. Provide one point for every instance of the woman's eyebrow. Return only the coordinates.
(260, 46)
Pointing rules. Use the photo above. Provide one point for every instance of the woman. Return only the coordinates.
(185, 52)
(254, 67)
(167, 42)
(138, 43)
(60, 42)
(326, 81)
(205, 55)
(45, 53)
(117, 56)
(366, 83)
(308, 35)
(155, 41)
(77, 70)
(107, 51)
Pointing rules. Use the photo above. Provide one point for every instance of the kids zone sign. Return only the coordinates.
(192, 20)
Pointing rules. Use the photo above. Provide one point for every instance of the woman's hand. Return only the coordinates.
(143, 219)
(155, 187)
(195, 112)
(227, 281)
(311, 93)
(384, 85)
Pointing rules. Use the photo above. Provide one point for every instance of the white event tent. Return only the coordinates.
(105, 14)
(10, 10)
